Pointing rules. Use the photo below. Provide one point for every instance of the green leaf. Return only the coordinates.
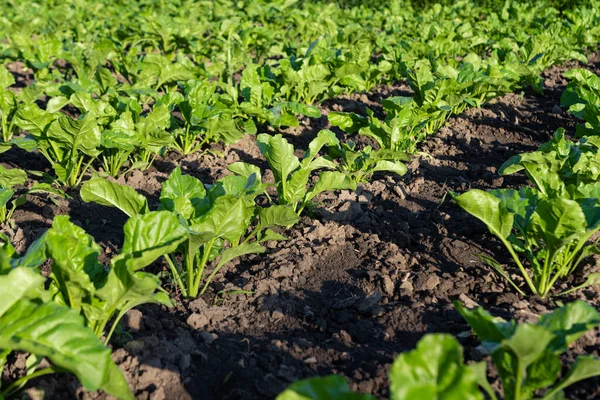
(332, 387)
(390, 166)
(19, 283)
(58, 333)
(229, 219)
(280, 156)
(245, 169)
(435, 369)
(32, 119)
(10, 178)
(277, 215)
(488, 209)
(348, 122)
(76, 269)
(487, 327)
(6, 78)
(101, 191)
(330, 180)
(569, 323)
(558, 221)
(55, 104)
(152, 235)
(183, 194)
(584, 367)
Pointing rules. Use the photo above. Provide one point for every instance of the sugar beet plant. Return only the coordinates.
(218, 224)
(526, 356)
(550, 224)
(65, 317)
(343, 167)
(69, 315)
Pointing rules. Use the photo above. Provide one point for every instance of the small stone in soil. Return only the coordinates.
(197, 321)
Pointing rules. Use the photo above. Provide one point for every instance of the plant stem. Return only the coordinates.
(19, 383)
(200, 272)
(176, 275)
(518, 262)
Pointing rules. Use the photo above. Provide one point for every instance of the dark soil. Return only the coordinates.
(359, 283)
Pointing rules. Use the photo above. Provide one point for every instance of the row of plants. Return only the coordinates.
(110, 97)
(143, 92)
(526, 357)
(549, 224)
(198, 229)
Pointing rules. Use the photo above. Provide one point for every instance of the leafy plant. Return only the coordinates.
(30, 322)
(69, 145)
(549, 225)
(8, 106)
(361, 164)
(559, 166)
(551, 233)
(525, 355)
(400, 132)
(220, 224)
(292, 175)
(9, 178)
(582, 97)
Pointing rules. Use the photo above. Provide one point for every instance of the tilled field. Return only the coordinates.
(362, 278)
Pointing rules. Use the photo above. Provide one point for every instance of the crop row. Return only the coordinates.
(110, 97)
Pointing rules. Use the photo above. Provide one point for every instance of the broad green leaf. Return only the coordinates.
(434, 370)
(83, 135)
(569, 323)
(528, 342)
(32, 119)
(6, 78)
(584, 367)
(332, 387)
(277, 215)
(150, 236)
(390, 166)
(183, 194)
(10, 178)
(19, 283)
(55, 104)
(330, 180)
(76, 269)
(101, 191)
(58, 333)
(487, 327)
(245, 169)
(558, 221)
(280, 156)
(229, 218)
(488, 209)
(348, 122)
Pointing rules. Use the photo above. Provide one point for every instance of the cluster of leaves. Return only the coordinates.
(65, 316)
(439, 92)
(582, 97)
(216, 225)
(526, 356)
(161, 82)
(550, 223)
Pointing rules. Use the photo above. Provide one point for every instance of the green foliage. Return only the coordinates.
(9, 178)
(582, 97)
(292, 175)
(211, 226)
(526, 356)
(30, 322)
(550, 224)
